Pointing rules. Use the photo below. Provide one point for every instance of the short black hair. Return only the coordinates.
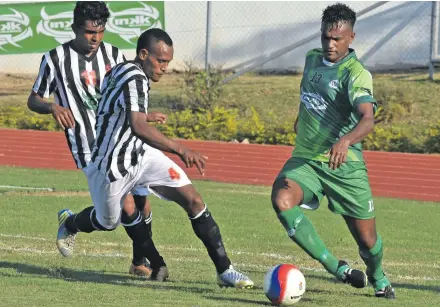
(96, 11)
(337, 13)
(151, 37)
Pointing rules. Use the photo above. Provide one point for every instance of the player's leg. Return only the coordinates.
(104, 215)
(143, 245)
(371, 252)
(167, 180)
(207, 230)
(349, 194)
(298, 184)
(157, 269)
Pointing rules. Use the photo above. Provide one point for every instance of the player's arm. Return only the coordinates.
(156, 117)
(360, 94)
(136, 103)
(62, 115)
(154, 138)
(365, 125)
(43, 87)
(38, 104)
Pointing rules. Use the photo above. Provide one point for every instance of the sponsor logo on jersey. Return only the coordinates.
(334, 84)
(130, 23)
(14, 28)
(313, 101)
(57, 26)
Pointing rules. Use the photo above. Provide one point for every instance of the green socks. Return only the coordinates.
(301, 231)
(373, 260)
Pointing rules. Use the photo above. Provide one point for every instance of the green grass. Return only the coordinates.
(32, 273)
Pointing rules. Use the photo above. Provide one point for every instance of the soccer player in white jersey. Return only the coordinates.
(127, 153)
(73, 72)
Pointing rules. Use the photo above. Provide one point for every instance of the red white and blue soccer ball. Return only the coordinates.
(284, 285)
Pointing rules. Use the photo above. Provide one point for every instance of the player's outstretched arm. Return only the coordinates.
(62, 115)
(154, 138)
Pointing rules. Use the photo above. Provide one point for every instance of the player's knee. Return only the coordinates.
(195, 204)
(282, 201)
(109, 223)
(130, 219)
(142, 203)
(368, 240)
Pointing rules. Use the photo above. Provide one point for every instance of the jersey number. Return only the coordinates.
(370, 206)
(316, 78)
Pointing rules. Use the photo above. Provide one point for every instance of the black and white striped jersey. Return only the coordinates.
(117, 149)
(75, 81)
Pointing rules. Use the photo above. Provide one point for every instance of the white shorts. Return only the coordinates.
(155, 169)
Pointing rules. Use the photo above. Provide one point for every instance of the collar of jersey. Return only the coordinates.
(81, 55)
(351, 54)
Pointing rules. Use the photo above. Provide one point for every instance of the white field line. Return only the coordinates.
(275, 256)
(195, 260)
(24, 188)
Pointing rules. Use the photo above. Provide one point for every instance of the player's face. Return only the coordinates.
(89, 37)
(155, 62)
(335, 40)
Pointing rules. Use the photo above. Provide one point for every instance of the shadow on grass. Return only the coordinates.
(416, 287)
(248, 301)
(95, 277)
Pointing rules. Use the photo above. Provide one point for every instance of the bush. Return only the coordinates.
(432, 143)
(223, 124)
(21, 118)
(202, 88)
(393, 138)
(215, 124)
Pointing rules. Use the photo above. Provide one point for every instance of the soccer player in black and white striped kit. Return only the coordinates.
(73, 72)
(127, 153)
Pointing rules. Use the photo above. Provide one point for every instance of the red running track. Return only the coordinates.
(399, 175)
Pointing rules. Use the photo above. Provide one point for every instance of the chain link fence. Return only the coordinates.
(393, 35)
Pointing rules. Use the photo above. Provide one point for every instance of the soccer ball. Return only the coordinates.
(284, 284)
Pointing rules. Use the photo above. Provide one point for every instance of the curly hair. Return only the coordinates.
(151, 37)
(95, 11)
(337, 13)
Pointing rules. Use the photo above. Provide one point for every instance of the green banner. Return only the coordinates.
(40, 27)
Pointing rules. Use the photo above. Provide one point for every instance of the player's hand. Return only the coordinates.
(63, 116)
(157, 117)
(338, 153)
(190, 158)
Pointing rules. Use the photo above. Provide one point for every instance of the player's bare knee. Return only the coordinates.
(195, 204)
(368, 240)
(282, 202)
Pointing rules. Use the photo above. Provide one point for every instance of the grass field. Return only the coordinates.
(33, 273)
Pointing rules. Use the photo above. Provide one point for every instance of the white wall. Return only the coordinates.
(243, 31)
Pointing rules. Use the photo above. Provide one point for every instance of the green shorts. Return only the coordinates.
(347, 188)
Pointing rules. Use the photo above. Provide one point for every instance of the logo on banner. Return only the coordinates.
(130, 23)
(14, 28)
(57, 26)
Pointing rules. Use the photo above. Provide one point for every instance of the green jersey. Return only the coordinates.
(330, 94)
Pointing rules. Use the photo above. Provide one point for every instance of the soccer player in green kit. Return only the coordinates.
(336, 112)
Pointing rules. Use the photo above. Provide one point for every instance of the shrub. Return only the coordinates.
(20, 118)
